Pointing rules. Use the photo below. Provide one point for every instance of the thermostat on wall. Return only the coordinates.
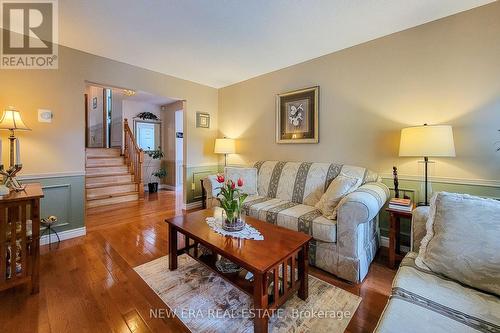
(44, 116)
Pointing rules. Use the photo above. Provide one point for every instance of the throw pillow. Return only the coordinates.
(462, 240)
(339, 187)
(249, 176)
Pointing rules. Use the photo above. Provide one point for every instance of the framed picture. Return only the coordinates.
(297, 116)
(202, 120)
(94, 103)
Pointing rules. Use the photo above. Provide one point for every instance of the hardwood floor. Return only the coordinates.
(88, 284)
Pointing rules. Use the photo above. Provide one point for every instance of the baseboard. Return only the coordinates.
(384, 241)
(63, 235)
(193, 205)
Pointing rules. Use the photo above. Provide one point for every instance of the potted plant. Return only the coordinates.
(160, 173)
(231, 199)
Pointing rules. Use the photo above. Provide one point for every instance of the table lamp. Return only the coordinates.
(225, 146)
(427, 141)
(11, 120)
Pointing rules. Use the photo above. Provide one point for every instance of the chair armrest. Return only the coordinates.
(358, 207)
(210, 186)
(418, 226)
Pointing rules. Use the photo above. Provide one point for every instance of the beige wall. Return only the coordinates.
(444, 72)
(59, 146)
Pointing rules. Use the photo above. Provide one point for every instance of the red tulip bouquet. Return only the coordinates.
(231, 201)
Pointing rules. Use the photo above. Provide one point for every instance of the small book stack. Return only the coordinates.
(404, 205)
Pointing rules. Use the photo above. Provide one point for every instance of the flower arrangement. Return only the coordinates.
(231, 200)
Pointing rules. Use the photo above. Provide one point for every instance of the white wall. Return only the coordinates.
(179, 127)
(116, 118)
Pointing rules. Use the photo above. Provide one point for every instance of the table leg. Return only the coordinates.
(392, 240)
(35, 282)
(303, 268)
(172, 245)
(260, 303)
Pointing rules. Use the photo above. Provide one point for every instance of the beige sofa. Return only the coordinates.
(424, 301)
(286, 195)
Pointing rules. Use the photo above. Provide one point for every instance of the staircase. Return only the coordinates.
(108, 179)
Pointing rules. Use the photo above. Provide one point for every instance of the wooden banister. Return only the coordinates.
(134, 157)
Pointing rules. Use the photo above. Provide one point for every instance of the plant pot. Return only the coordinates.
(237, 225)
(153, 187)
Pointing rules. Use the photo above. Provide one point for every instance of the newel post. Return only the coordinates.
(140, 174)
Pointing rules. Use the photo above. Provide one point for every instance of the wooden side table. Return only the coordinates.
(394, 234)
(20, 241)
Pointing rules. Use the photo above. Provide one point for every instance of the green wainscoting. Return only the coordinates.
(412, 189)
(194, 175)
(64, 198)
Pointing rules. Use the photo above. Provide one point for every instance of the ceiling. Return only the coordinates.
(221, 42)
(144, 97)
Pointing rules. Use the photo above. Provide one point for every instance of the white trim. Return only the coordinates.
(384, 242)
(447, 180)
(192, 205)
(52, 175)
(63, 235)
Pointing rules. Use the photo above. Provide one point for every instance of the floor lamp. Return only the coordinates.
(225, 146)
(427, 141)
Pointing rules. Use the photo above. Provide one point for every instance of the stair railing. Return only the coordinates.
(134, 157)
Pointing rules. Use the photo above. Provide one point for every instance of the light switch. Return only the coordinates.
(44, 116)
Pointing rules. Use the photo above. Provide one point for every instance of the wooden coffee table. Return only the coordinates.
(271, 260)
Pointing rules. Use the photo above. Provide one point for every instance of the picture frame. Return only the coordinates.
(297, 116)
(202, 120)
(94, 103)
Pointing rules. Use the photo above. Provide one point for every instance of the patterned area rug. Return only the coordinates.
(205, 302)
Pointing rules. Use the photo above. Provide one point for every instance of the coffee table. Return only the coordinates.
(280, 260)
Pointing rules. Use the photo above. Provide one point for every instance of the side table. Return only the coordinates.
(394, 234)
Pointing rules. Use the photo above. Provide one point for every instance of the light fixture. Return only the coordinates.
(427, 141)
(11, 120)
(225, 146)
(128, 92)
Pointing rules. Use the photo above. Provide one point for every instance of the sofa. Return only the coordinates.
(286, 195)
(423, 300)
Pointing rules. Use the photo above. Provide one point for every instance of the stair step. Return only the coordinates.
(102, 152)
(104, 161)
(99, 192)
(109, 195)
(112, 199)
(108, 184)
(107, 171)
(100, 181)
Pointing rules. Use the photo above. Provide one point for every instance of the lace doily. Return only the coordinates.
(248, 231)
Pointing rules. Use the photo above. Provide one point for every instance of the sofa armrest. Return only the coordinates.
(363, 204)
(358, 207)
(418, 226)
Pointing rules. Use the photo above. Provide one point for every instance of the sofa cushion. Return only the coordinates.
(339, 187)
(462, 240)
(427, 302)
(248, 175)
(292, 215)
(303, 182)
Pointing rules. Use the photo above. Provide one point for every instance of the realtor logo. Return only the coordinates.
(29, 34)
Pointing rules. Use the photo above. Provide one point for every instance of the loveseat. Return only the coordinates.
(286, 195)
(423, 300)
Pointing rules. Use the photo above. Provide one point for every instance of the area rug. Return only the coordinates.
(205, 302)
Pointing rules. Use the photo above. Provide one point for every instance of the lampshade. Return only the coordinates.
(224, 146)
(11, 120)
(427, 141)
